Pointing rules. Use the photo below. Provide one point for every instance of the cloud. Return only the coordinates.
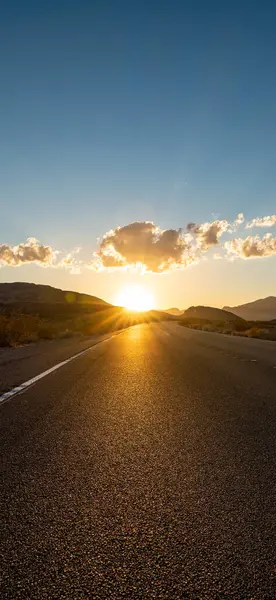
(268, 221)
(32, 251)
(252, 246)
(238, 221)
(70, 262)
(29, 252)
(208, 234)
(146, 245)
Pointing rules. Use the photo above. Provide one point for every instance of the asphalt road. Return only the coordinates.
(25, 362)
(144, 469)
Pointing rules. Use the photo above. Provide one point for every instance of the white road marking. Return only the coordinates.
(21, 388)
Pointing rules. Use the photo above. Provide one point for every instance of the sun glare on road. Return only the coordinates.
(135, 297)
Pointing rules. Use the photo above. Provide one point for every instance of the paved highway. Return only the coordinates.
(144, 469)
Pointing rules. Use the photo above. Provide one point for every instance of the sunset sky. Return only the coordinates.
(134, 136)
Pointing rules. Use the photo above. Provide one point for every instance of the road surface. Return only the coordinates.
(25, 362)
(144, 469)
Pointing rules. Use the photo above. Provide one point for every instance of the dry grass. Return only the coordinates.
(17, 328)
(250, 330)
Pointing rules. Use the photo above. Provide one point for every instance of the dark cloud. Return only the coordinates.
(208, 234)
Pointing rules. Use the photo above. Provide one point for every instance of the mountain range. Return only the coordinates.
(263, 309)
(19, 293)
(259, 310)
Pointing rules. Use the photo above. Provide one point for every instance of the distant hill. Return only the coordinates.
(208, 313)
(176, 312)
(259, 310)
(30, 312)
(11, 293)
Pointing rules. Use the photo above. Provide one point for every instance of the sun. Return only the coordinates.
(135, 297)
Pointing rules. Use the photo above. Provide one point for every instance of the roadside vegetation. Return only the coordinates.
(265, 330)
(35, 322)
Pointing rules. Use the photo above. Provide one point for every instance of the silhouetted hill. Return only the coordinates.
(208, 313)
(29, 312)
(176, 312)
(259, 310)
(11, 293)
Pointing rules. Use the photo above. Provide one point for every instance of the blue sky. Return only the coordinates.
(113, 112)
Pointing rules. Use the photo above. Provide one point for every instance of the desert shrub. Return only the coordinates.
(63, 335)
(272, 335)
(47, 330)
(17, 329)
(220, 324)
(21, 327)
(241, 325)
(256, 332)
(253, 332)
(237, 328)
(4, 341)
(239, 333)
(31, 339)
(211, 328)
